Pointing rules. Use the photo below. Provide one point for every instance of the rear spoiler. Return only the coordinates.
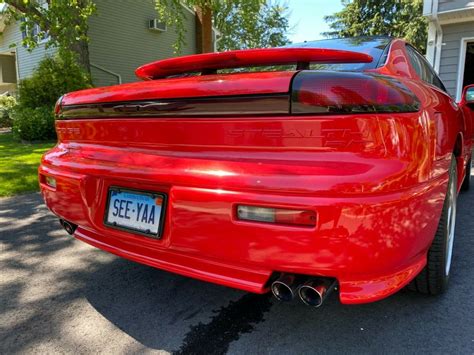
(209, 63)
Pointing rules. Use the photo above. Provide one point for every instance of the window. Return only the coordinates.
(36, 30)
(424, 70)
(38, 34)
(376, 47)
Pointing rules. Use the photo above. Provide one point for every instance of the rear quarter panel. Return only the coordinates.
(447, 129)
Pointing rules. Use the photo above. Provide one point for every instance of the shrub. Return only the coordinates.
(53, 77)
(6, 105)
(33, 124)
(33, 119)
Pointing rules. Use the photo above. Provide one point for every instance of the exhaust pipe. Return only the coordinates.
(315, 291)
(286, 287)
(69, 227)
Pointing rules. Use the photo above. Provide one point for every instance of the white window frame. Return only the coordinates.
(461, 65)
(44, 4)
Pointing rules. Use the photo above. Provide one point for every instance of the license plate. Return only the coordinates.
(135, 211)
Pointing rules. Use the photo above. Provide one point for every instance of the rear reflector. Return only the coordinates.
(323, 92)
(276, 215)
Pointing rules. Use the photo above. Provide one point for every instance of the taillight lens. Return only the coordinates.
(305, 218)
(322, 92)
(58, 107)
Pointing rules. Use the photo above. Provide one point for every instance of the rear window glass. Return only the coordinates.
(374, 46)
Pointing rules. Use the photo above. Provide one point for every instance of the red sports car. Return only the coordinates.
(335, 166)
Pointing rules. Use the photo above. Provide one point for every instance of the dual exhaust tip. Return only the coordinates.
(69, 227)
(313, 291)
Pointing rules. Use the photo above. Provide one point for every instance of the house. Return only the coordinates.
(123, 35)
(450, 46)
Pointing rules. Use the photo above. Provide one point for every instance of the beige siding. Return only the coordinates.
(121, 41)
(448, 5)
(27, 61)
(452, 35)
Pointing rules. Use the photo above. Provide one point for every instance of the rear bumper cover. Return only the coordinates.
(373, 245)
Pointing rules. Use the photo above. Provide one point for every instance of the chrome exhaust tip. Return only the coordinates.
(69, 227)
(315, 291)
(285, 288)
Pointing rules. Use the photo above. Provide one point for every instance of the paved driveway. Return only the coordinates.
(61, 295)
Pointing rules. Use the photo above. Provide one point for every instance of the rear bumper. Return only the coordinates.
(373, 245)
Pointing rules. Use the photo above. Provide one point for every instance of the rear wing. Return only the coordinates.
(209, 63)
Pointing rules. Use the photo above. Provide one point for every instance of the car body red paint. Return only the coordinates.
(376, 181)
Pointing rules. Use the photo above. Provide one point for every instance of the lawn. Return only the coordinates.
(19, 164)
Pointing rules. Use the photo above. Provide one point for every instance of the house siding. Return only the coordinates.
(449, 62)
(27, 61)
(449, 5)
(120, 40)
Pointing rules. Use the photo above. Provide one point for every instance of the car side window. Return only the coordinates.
(424, 70)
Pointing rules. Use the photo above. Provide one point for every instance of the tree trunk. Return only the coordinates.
(204, 40)
(81, 48)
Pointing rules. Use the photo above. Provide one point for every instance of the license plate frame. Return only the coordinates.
(152, 194)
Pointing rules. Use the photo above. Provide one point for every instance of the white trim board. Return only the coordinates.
(461, 64)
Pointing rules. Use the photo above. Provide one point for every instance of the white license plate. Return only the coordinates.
(139, 212)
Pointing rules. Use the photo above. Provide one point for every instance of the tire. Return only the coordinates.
(466, 184)
(433, 279)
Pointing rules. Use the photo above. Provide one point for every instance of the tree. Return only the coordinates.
(396, 18)
(251, 24)
(242, 23)
(64, 22)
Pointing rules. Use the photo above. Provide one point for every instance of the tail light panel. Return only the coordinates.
(291, 217)
(58, 107)
(323, 92)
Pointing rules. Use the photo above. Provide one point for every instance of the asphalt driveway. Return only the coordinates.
(61, 295)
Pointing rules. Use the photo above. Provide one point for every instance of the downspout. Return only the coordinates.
(439, 36)
(118, 76)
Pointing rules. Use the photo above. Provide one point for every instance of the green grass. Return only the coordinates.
(19, 165)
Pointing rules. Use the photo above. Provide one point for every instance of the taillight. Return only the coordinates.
(305, 218)
(323, 92)
(58, 107)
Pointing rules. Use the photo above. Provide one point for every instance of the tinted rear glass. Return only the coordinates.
(374, 46)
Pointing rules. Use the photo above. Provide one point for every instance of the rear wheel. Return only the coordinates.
(466, 184)
(433, 279)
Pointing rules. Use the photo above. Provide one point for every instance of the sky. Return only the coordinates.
(307, 18)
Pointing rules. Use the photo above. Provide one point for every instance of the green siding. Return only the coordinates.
(120, 40)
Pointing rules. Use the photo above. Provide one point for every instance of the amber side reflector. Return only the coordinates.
(276, 215)
(48, 180)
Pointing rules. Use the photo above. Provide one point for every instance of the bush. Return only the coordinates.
(33, 119)
(6, 105)
(33, 124)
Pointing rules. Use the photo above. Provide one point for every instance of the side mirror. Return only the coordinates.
(468, 95)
